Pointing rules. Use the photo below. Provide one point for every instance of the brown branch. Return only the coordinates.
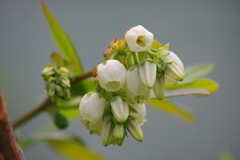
(47, 102)
(9, 148)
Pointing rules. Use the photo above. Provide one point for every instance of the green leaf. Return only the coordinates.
(184, 92)
(171, 109)
(197, 71)
(72, 149)
(205, 84)
(57, 59)
(225, 155)
(63, 42)
(82, 87)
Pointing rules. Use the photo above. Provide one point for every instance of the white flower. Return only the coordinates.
(120, 109)
(148, 72)
(91, 110)
(159, 87)
(111, 75)
(174, 71)
(139, 39)
(141, 113)
(135, 130)
(136, 91)
(118, 131)
(107, 134)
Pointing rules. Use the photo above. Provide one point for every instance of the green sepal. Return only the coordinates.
(108, 117)
(134, 66)
(131, 109)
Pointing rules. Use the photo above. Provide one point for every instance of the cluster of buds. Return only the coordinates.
(57, 82)
(124, 81)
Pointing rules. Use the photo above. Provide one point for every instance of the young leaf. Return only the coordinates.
(205, 84)
(197, 71)
(171, 109)
(73, 150)
(184, 92)
(57, 59)
(62, 41)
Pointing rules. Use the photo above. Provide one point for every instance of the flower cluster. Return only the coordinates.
(57, 82)
(134, 66)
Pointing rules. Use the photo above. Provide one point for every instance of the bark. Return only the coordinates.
(9, 148)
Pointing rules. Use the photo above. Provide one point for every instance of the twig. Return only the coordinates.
(9, 148)
(46, 102)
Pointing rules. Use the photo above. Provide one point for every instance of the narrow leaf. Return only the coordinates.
(73, 149)
(184, 92)
(197, 71)
(62, 41)
(171, 109)
(205, 84)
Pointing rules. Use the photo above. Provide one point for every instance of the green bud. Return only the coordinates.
(159, 87)
(118, 131)
(48, 71)
(62, 71)
(64, 82)
(135, 130)
(51, 80)
(60, 121)
(120, 141)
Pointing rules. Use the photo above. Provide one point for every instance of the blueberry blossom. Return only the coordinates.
(139, 39)
(91, 110)
(136, 91)
(135, 130)
(174, 70)
(148, 72)
(111, 75)
(120, 109)
(141, 113)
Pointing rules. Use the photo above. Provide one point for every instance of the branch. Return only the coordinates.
(47, 102)
(9, 148)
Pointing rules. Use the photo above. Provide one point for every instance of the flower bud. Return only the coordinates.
(120, 109)
(107, 134)
(51, 90)
(139, 39)
(111, 75)
(48, 71)
(136, 91)
(63, 71)
(159, 87)
(118, 131)
(174, 71)
(91, 110)
(148, 72)
(173, 75)
(141, 113)
(65, 82)
(135, 130)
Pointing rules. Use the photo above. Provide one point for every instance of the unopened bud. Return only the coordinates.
(64, 81)
(159, 87)
(118, 131)
(135, 130)
(63, 71)
(48, 71)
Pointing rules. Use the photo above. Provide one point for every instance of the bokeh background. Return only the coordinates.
(198, 31)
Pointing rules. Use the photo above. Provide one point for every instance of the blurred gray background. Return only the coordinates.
(198, 31)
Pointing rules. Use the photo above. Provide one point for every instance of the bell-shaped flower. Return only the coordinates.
(91, 110)
(139, 39)
(148, 72)
(175, 69)
(159, 87)
(107, 134)
(141, 113)
(135, 130)
(118, 131)
(111, 75)
(120, 109)
(136, 91)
